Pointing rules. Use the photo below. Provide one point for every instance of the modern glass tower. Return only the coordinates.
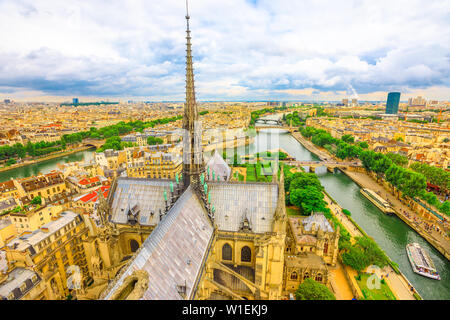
(392, 102)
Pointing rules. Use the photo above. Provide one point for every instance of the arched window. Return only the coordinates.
(319, 277)
(227, 252)
(134, 245)
(325, 247)
(306, 276)
(294, 275)
(246, 254)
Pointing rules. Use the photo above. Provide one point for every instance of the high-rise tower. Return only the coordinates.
(193, 164)
(392, 102)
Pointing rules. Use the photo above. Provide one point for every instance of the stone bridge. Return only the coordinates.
(261, 120)
(94, 142)
(329, 164)
(290, 129)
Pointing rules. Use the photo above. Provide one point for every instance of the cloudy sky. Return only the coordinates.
(243, 49)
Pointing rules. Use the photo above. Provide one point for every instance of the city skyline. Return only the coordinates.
(273, 200)
(305, 51)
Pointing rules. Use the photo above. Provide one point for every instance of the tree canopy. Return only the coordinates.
(363, 253)
(310, 289)
(154, 140)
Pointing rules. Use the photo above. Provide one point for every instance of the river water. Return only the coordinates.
(391, 233)
(46, 166)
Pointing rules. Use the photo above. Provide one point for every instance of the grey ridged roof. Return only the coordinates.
(15, 280)
(232, 200)
(217, 164)
(7, 204)
(24, 241)
(148, 194)
(319, 220)
(173, 254)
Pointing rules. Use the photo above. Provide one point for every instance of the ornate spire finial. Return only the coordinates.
(187, 12)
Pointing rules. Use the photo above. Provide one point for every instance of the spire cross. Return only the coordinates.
(187, 12)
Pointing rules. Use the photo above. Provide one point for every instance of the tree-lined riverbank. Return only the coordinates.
(46, 165)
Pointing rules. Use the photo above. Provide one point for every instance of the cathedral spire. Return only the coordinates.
(193, 164)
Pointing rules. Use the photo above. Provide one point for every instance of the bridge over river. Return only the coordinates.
(94, 142)
(268, 123)
(331, 165)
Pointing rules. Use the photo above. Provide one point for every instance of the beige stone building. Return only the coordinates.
(54, 254)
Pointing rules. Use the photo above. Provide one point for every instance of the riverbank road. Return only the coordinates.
(398, 284)
(336, 210)
(310, 146)
(368, 182)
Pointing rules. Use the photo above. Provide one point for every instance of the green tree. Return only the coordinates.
(445, 208)
(413, 183)
(434, 175)
(363, 253)
(431, 198)
(10, 162)
(313, 290)
(153, 140)
(348, 138)
(308, 199)
(36, 200)
(302, 180)
(381, 164)
(398, 159)
(322, 139)
(363, 144)
(355, 258)
(367, 158)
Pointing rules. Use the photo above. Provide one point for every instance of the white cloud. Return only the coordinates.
(241, 50)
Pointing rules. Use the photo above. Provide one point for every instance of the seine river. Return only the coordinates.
(391, 233)
(45, 166)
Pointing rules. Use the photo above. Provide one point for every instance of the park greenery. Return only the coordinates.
(154, 140)
(434, 175)
(381, 293)
(302, 190)
(36, 200)
(410, 181)
(260, 170)
(294, 119)
(363, 253)
(310, 289)
(297, 183)
(115, 143)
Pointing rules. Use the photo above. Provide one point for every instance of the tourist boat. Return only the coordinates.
(421, 262)
(378, 201)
